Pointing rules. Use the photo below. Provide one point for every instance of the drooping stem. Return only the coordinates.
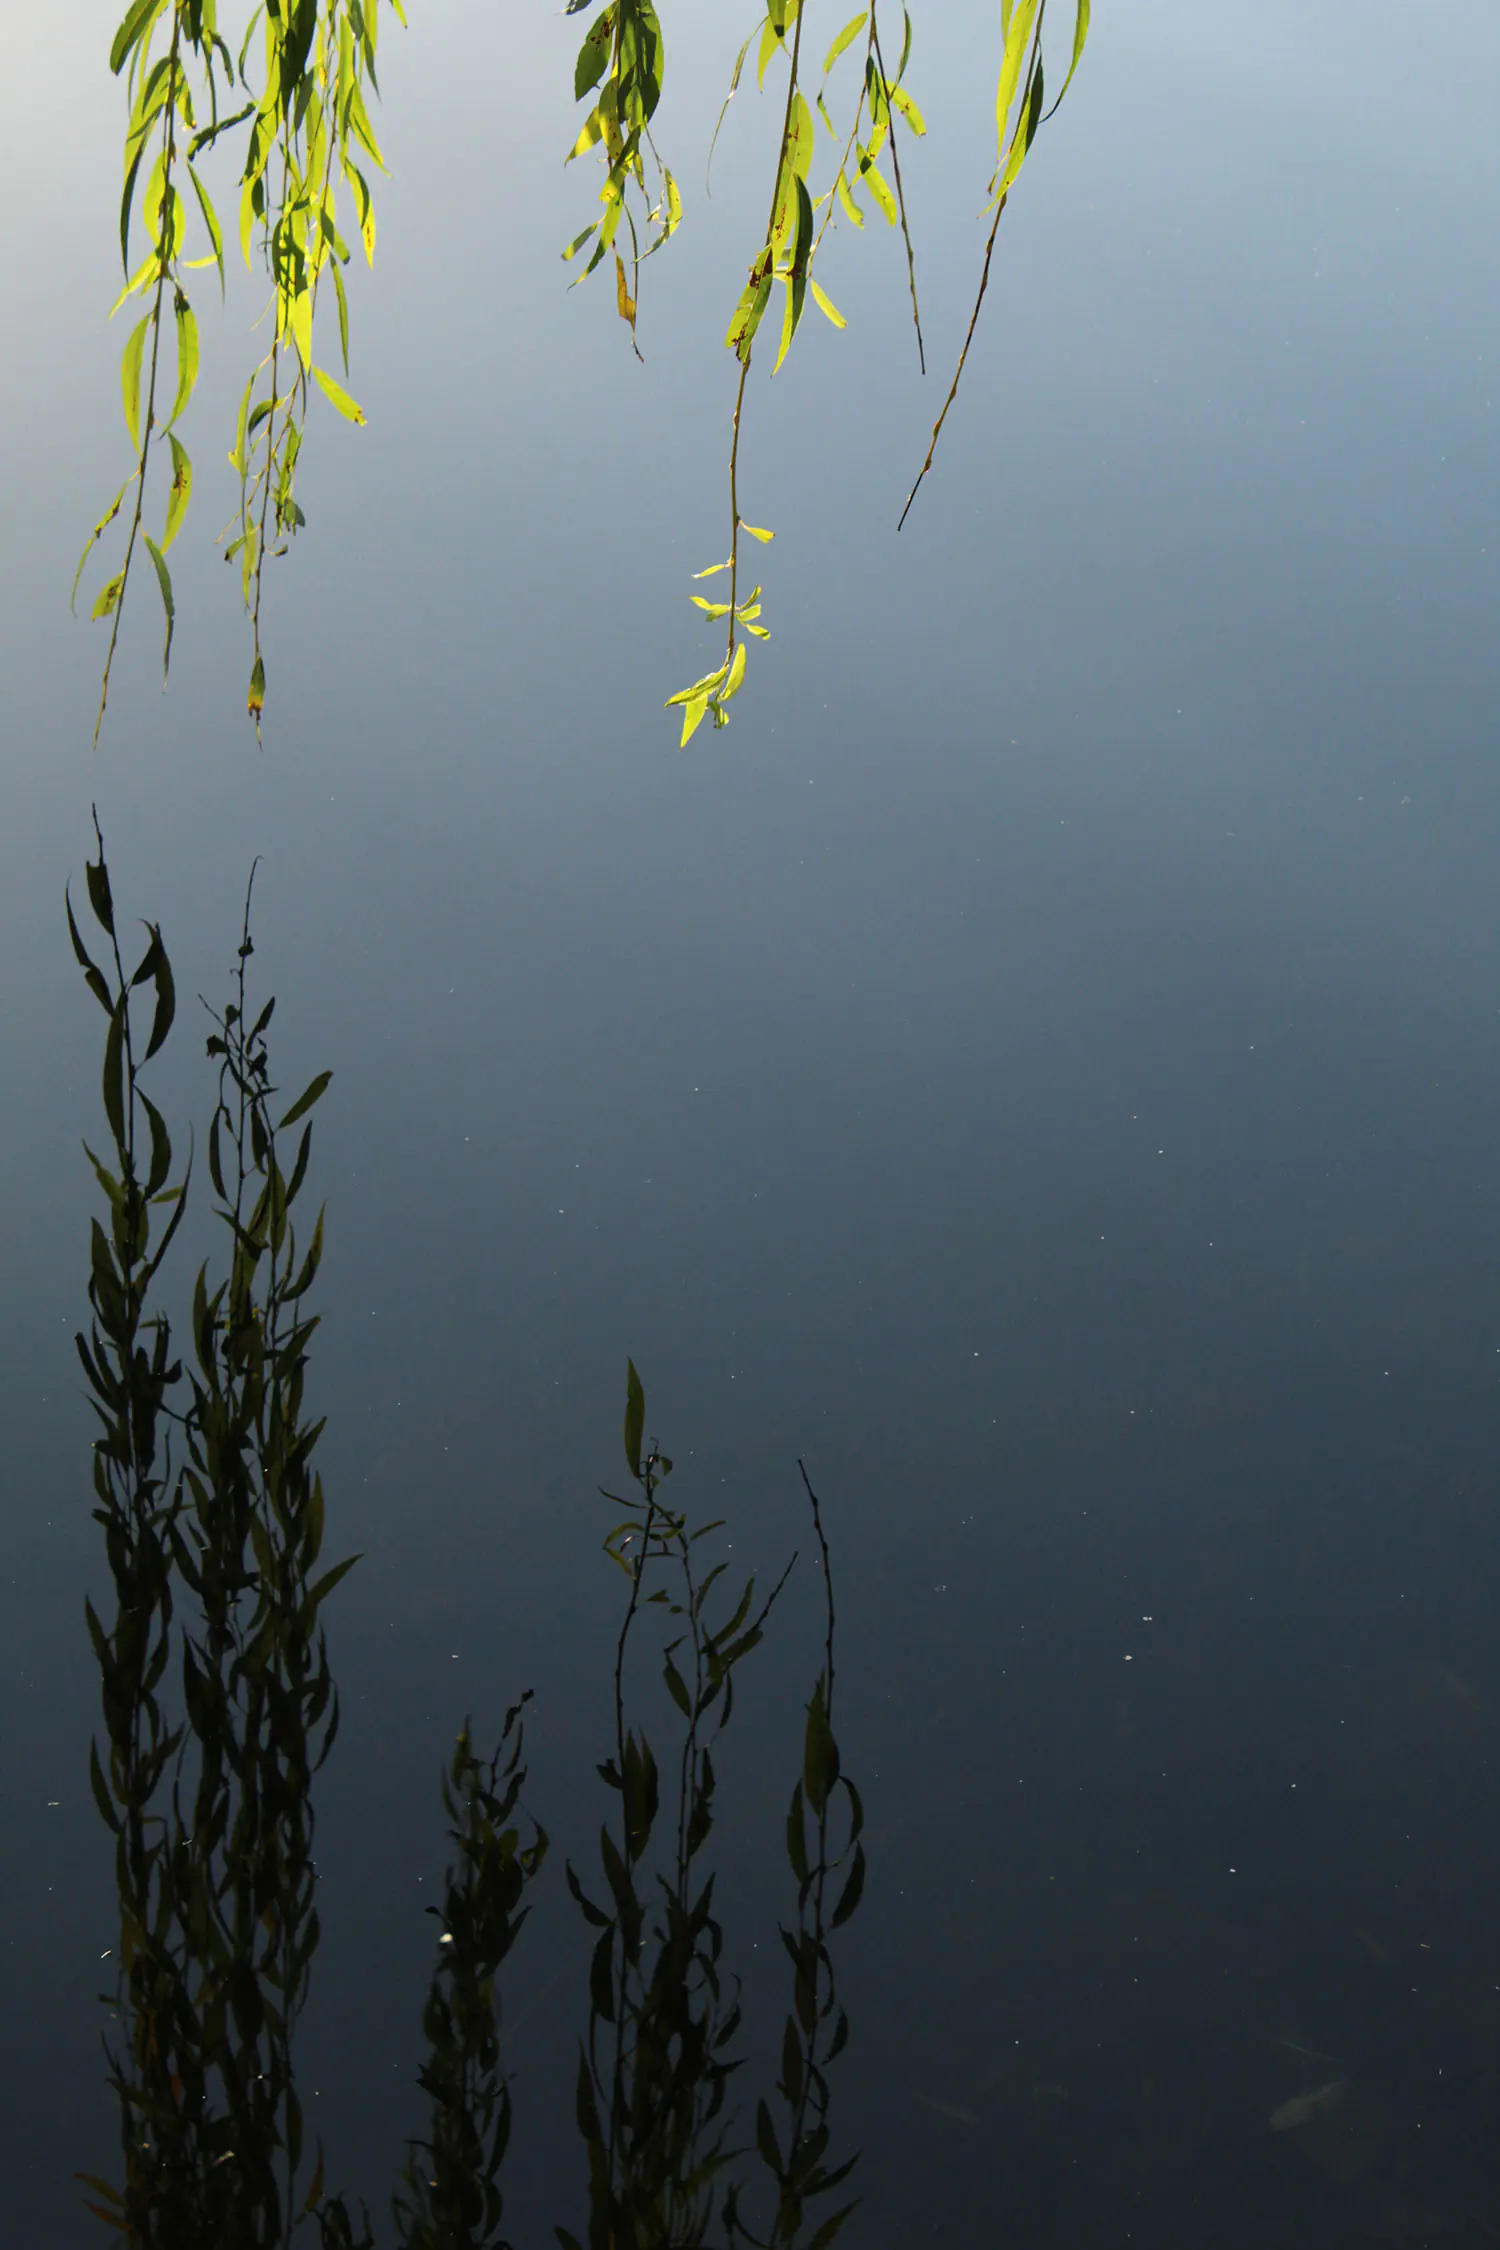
(911, 260)
(166, 221)
(984, 277)
(769, 252)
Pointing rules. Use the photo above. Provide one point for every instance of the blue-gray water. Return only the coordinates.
(1040, 1065)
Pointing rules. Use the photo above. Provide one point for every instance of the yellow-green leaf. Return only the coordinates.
(180, 492)
(1018, 31)
(850, 32)
(825, 304)
(187, 355)
(747, 313)
(593, 131)
(255, 701)
(164, 581)
(882, 194)
(908, 108)
(1080, 35)
(210, 220)
(801, 138)
(300, 324)
(847, 201)
(692, 718)
(756, 532)
(707, 686)
(1025, 132)
(130, 379)
(109, 596)
(98, 531)
(351, 410)
(624, 302)
(137, 282)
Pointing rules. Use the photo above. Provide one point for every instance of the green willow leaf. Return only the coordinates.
(1026, 129)
(187, 354)
(210, 221)
(826, 305)
(343, 304)
(180, 490)
(97, 533)
(909, 110)
(133, 30)
(1021, 17)
(873, 180)
(846, 38)
(130, 379)
(1080, 36)
(109, 597)
(694, 711)
(337, 396)
(164, 581)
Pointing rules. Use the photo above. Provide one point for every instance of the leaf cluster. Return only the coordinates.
(619, 71)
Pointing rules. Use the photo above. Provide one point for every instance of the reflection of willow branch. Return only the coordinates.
(213, 1820)
(260, 1696)
(817, 2028)
(127, 1360)
(650, 2096)
(452, 2194)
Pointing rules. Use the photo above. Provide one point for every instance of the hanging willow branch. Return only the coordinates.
(302, 120)
(300, 104)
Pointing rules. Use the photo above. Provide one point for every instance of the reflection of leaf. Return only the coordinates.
(635, 1417)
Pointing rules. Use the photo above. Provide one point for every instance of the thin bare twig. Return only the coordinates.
(911, 262)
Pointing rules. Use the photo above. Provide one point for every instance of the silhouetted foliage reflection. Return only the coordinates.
(213, 1516)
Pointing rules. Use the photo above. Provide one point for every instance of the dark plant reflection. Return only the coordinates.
(219, 1707)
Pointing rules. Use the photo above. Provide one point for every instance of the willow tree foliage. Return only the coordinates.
(287, 87)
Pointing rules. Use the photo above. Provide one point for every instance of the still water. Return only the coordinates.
(1039, 1066)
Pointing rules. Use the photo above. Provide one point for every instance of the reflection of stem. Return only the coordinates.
(167, 219)
(827, 1563)
(770, 254)
(812, 2072)
(984, 282)
(616, 2107)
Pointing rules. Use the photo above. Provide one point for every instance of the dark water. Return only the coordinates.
(1040, 1065)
